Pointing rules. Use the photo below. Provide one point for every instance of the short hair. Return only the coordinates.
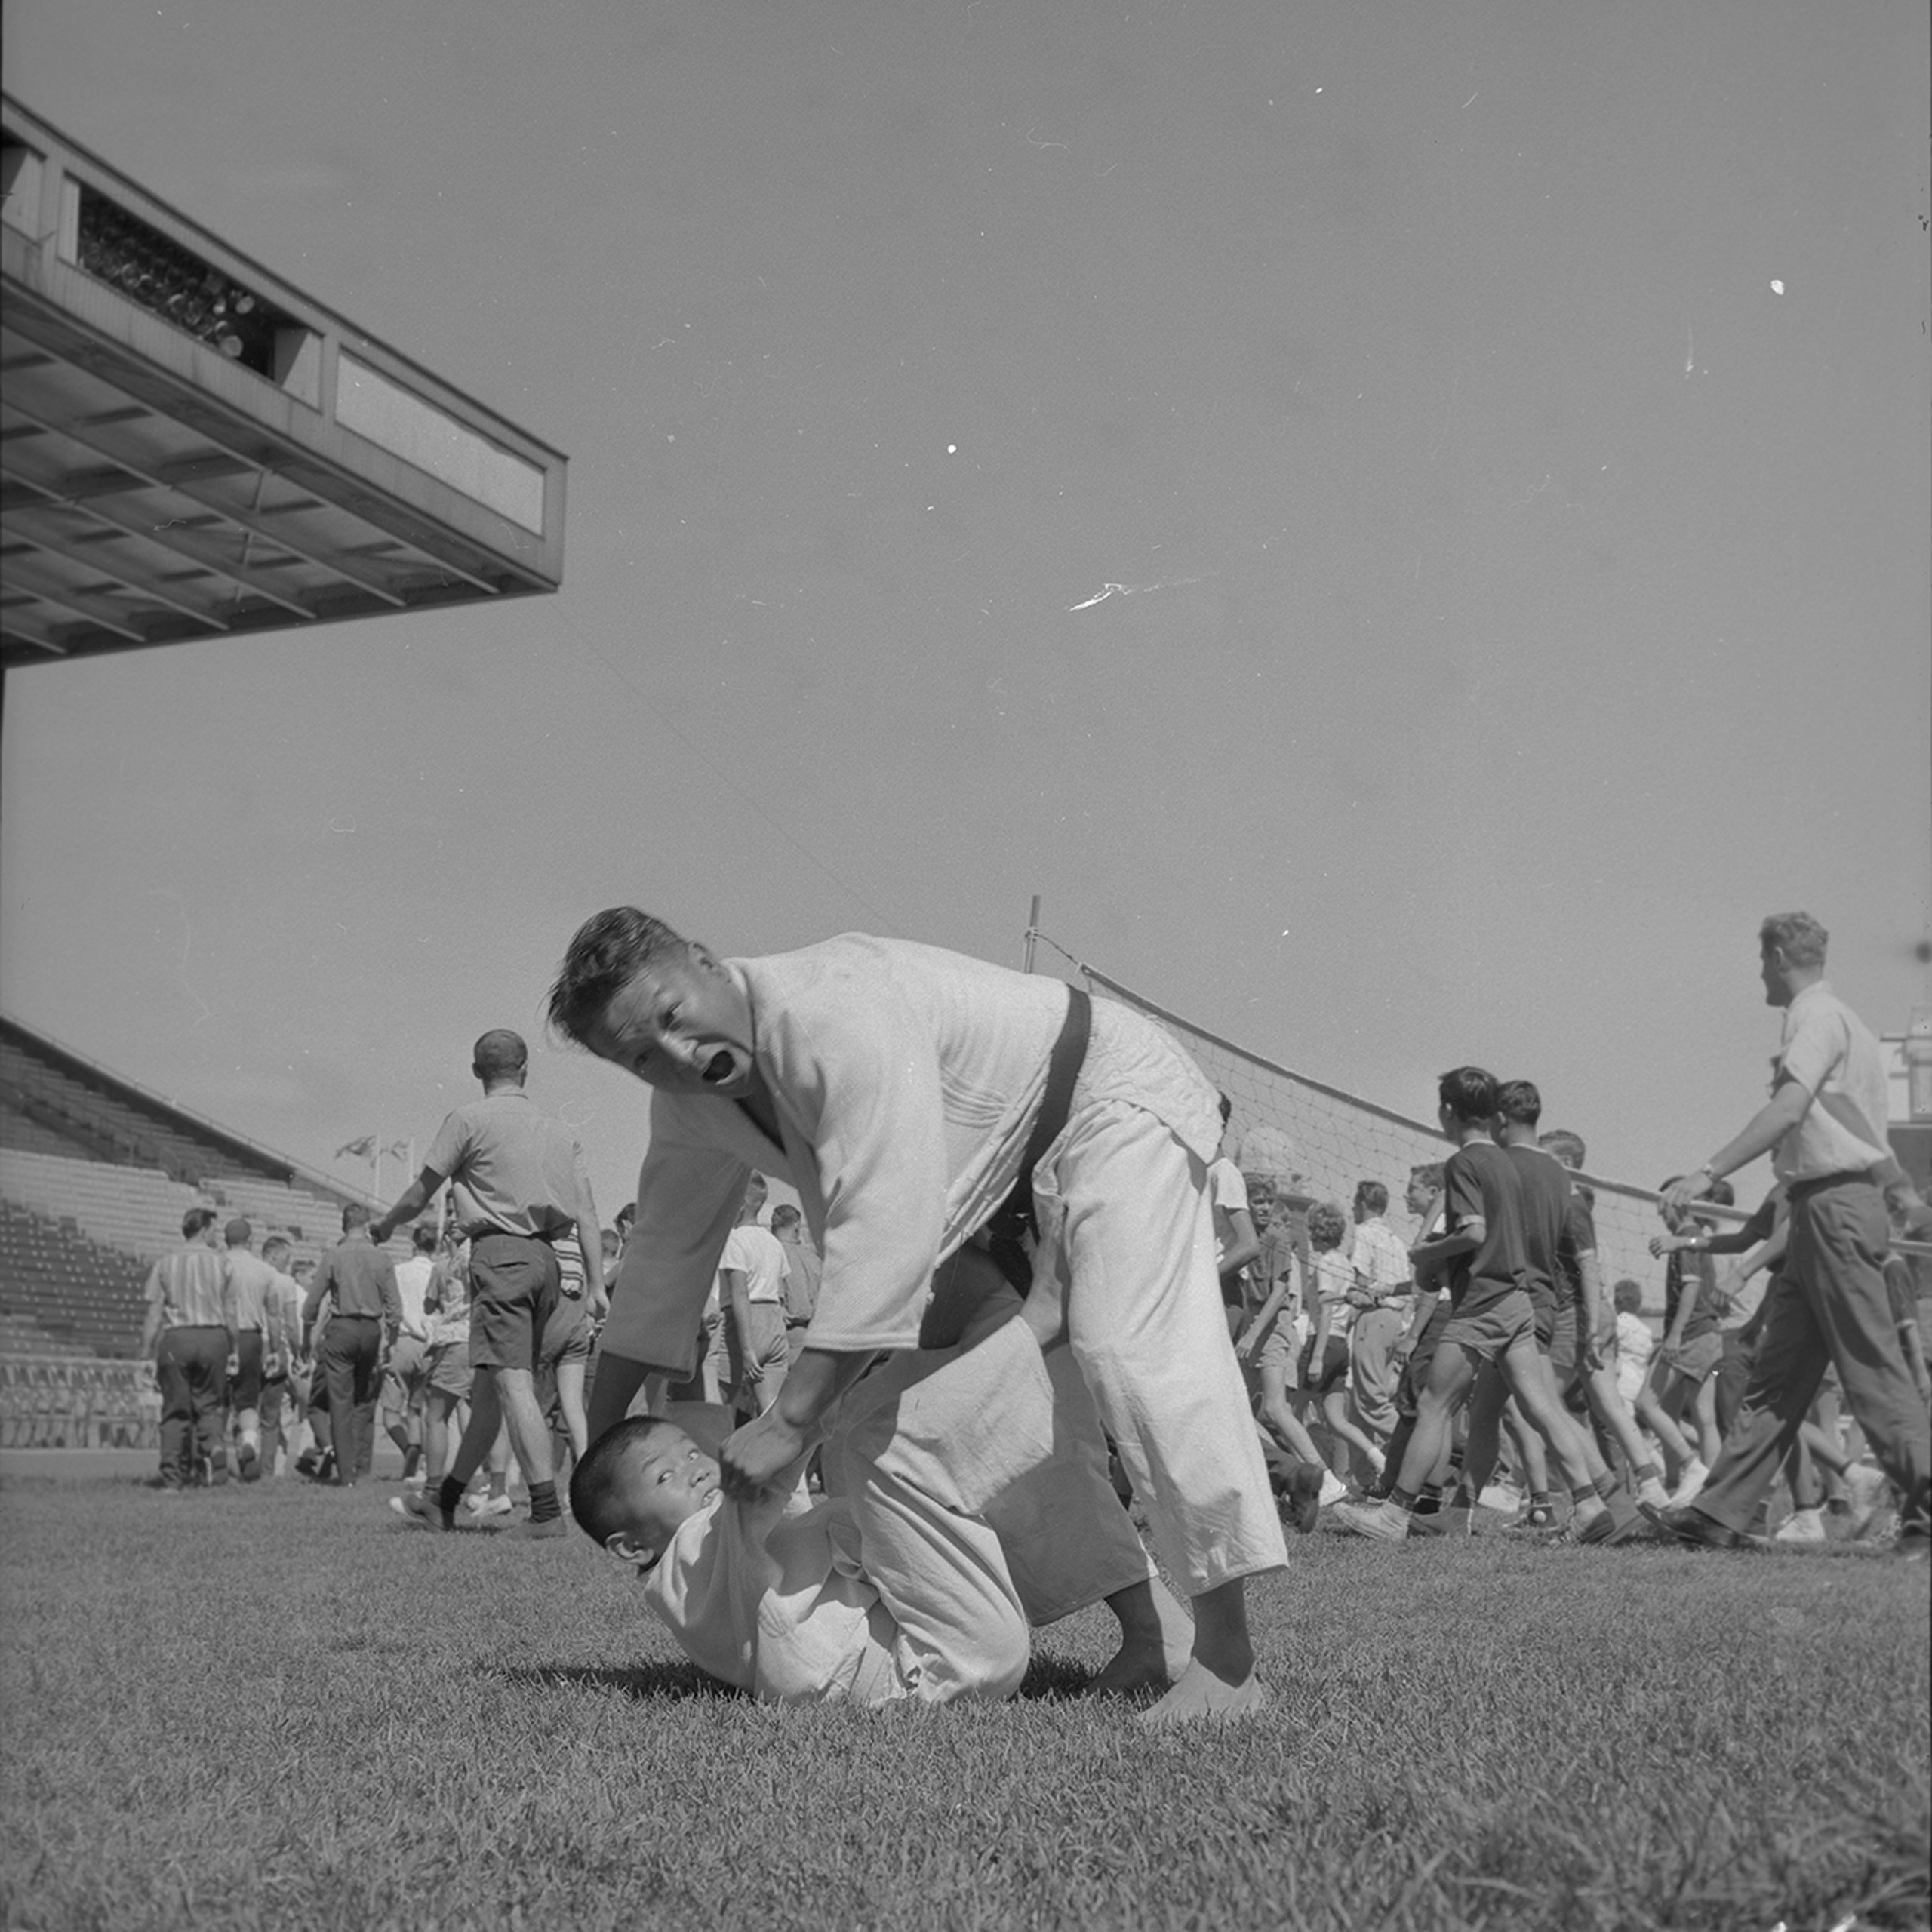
(1428, 1173)
(1468, 1092)
(1371, 1194)
(355, 1215)
(1568, 1147)
(425, 1235)
(1797, 935)
(756, 1183)
(626, 1215)
(784, 1216)
(605, 954)
(275, 1244)
(499, 1052)
(196, 1220)
(596, 1483)
(1327, 1224)
(1518, 1100)
(1627, 1295)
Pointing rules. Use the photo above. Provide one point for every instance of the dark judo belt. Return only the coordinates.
(1013, 1221)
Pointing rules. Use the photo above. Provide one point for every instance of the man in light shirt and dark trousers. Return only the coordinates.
(189, 1331)
(1824, 1126)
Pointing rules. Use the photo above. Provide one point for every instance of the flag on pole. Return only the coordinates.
(363, 1149)
(402, 1150)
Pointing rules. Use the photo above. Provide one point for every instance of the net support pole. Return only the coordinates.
(1033, 927)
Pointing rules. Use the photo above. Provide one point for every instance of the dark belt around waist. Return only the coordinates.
(1797, 1190)
(1013, 1219)
(340, 1315)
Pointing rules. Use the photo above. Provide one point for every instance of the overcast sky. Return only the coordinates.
(1514, 595)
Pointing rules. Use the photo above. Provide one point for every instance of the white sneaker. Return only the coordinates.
(490, 1506)
(1866, 1491)
(1651, 1494)
(1334, 1489)
(1805, 1526)
(1690, 1485)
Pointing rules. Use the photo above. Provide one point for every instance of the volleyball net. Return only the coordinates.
(1315, 1139)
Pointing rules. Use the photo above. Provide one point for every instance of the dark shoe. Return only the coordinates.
(1301, 1501)
(247, 1464)
(1538, 1517)
(1913, 1546)
(1690, 1525)
(1616, 1525)
(419, 1509)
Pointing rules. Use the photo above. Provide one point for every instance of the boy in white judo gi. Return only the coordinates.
(919, 1100)
(948, 1528)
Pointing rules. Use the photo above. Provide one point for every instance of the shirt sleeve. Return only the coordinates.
(860, 1074)
(319, 1286)
(1462, 1188)
(446, 1152)
(688, 1195)
(1230, 1187)
(1580, 1226)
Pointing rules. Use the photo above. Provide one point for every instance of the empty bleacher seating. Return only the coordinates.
(95, 1176)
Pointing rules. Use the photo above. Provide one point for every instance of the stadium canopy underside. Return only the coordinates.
(190, 447)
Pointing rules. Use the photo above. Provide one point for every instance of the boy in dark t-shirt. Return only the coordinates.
(1555, 1222)
(1491, 1320)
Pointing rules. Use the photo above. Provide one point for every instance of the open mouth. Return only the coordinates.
(719, 1067)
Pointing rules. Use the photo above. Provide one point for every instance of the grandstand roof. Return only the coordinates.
(190, 447)
(171, 1125)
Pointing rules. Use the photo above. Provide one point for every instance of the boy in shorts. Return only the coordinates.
(946, 1532)
(1491, 1318)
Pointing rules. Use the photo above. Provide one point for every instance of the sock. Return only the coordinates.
(1646, 1472)
(544, 1505)
(1403, 1500)
(412, 1457)
(1607, 1486)
(449, 1494)
(500, 1484)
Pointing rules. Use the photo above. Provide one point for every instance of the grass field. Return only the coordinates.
(283, 1707)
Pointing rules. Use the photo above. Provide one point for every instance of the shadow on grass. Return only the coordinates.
(640, 1682)
(1047, 1679)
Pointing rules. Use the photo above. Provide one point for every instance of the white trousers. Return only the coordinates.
(1147, 1329)
(975, 1488)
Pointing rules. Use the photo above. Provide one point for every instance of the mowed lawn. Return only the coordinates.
(283, 1706)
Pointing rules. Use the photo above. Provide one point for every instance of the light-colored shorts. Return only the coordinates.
(1491, 1332)
(447, 1371)
(405, 1377)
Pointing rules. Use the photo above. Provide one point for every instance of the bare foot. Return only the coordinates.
(1201, 1696)
(1156, 1641)
(1136, 1666)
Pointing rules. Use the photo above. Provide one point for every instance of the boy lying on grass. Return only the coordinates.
(946, 1531)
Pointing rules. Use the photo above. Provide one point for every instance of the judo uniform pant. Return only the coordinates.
(976, 1487)
(1146, 1328)
(1828, 1305)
